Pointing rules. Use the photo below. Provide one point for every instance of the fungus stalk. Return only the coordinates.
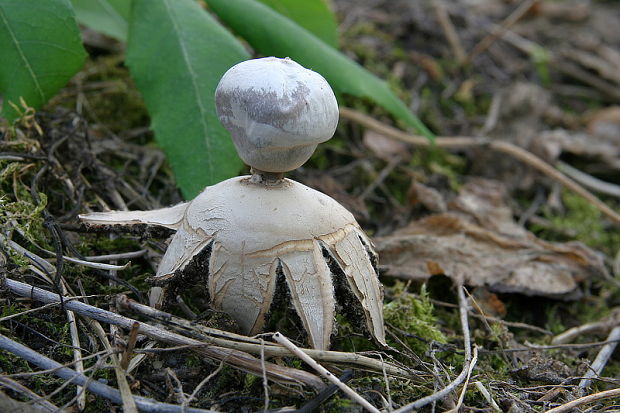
(250, 238)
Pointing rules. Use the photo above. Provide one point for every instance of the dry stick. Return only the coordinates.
(73, 330)
(498, 31)
(500, 146)
(119, 256)
(325, 394)
(254, 346)
(202, 384)
(235, 358)
(103, 390)
(467, 365)
(324, 372)
(567, 407)
(601, 359)
(77, 355)
(35, 399)
(265, 384)
(485, 393)
(129, 405)
(448, 28)
(603, 325)
(459, 403)
(131, 343)
(589, 181)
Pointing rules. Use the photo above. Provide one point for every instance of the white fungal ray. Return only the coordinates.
(362, 278)
(256, 233)
(312, 291)
(242, 286)
(171, 217)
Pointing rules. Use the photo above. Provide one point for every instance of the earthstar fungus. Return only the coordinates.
(260, 231)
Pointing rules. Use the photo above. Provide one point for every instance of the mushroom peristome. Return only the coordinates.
(255, 231)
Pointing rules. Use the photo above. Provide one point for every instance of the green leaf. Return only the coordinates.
(177, 54)
(275, 35)
(313, 15)
(40, 50)
(106, 16)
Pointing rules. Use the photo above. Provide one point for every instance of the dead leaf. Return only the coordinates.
(477, 243)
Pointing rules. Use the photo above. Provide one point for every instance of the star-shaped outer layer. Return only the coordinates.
(256, 232)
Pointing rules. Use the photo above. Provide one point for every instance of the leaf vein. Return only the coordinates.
(193, 76)
(22, 55)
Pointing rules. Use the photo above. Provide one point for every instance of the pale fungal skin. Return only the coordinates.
(254, 230)
(287, 225)
(277, 112)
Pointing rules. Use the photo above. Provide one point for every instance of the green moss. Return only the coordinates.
(415, 316)
(585, 221)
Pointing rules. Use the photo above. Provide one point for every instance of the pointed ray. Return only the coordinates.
(170, 217)
(242, 286)
(185, 245)
(312, 292)
(351, 254)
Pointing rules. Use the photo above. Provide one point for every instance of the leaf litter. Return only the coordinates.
(515, 234)
(476, 242)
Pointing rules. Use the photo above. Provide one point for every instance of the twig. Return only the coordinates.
(606, 324)
(278, 337)
(485, 393)
(97, 265)
(459, 403)
(77, 355)
(131, 343)
(499, 31)
(105, 391)
(588, 180)
(265, 384)
(119, 256)
(235, 358)
(325, 394)
(128, 402)
(601, 359)
(203, 383)
(387, 389)
(43, 307)
(254, 346)
(35, 399)
(608, 394)
(448, 28)
(498, 145)
(418, 404)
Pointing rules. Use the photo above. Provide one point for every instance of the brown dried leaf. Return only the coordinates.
(478, 243)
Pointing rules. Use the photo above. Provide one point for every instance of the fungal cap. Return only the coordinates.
(277, 112)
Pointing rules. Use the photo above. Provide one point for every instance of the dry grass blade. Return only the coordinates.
(604, 395)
